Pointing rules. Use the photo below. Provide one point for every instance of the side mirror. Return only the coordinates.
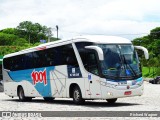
(99, 51)
(146, 54)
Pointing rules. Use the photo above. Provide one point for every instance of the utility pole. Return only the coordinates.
(57, 31)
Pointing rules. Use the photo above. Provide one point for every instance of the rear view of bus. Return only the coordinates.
(82, 68)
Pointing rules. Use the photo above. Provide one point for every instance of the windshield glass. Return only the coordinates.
(120, 61)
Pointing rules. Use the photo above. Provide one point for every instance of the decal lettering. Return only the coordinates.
(39, 77)
(73, 72)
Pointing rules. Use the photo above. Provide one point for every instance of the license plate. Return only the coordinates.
(128, 93)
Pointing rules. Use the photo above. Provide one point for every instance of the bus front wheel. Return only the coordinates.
(111, 101)
(77, 96)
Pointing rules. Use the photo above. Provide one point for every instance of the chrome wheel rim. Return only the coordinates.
(21, 94)
(76, 95)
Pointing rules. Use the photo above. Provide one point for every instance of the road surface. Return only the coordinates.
(149, 101)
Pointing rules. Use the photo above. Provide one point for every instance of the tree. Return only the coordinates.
(9, 31)
(151, 41)
(155, 33)
(34, 31)
(7, 39)
(25, 35)
(27, 26)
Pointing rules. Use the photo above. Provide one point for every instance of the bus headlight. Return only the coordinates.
(110, 93)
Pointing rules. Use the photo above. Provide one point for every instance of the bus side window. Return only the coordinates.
(12, 63)
(69, 56)
(6, 63)
(18, 62)
(50, 55)
(39, 59)
(28, 61)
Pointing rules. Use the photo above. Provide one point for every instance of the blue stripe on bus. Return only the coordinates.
(139, 79)
(39, 77)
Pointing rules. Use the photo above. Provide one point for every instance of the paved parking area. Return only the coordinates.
(149, 101)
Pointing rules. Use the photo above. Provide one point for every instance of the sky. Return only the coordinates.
(125, 18)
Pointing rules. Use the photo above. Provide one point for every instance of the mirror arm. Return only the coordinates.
(99, 51)
(144, 50)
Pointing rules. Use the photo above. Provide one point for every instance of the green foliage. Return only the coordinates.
(7, 39)
(151, 42)
(20, 42)
(155, 33)
(158, 71)
(9, 31)
(25, 35)
(9, 49)
(150, 72)
(34, 32)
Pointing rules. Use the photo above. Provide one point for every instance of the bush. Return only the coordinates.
(158, 71)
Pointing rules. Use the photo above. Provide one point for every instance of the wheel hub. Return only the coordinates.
(76, 95)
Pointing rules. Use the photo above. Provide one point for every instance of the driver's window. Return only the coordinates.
(91, 63)
(89, 57)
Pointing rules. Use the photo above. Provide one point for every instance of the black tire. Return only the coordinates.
(21, 95)
(112, 101)
(28, 98)
(77, 96)
(48, 98)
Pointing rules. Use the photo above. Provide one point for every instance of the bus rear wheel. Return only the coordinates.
(111, 101)
(77, 96)
(21, 95)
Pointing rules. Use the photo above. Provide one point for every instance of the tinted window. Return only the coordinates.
(6, 63)
(62, 55)
(28, 61)
(89, 57)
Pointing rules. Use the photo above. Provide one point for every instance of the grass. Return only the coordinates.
(151, 74)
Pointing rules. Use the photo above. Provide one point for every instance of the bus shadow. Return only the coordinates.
(70, 102)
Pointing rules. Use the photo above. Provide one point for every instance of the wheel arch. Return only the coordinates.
(18, 87)
(71, 88)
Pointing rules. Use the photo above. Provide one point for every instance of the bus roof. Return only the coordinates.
(101, 39)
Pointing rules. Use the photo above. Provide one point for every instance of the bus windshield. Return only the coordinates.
(120, 62)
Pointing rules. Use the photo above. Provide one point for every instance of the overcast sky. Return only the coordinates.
(125, 18)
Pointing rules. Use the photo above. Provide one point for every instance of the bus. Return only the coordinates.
(82, 68)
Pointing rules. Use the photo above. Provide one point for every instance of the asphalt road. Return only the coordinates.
(149, 101)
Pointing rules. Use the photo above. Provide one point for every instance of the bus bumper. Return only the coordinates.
(119, 92)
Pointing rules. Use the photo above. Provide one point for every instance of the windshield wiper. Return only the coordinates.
(124, 63)
(129, 66)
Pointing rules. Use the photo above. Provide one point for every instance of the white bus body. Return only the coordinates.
(85, 67)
